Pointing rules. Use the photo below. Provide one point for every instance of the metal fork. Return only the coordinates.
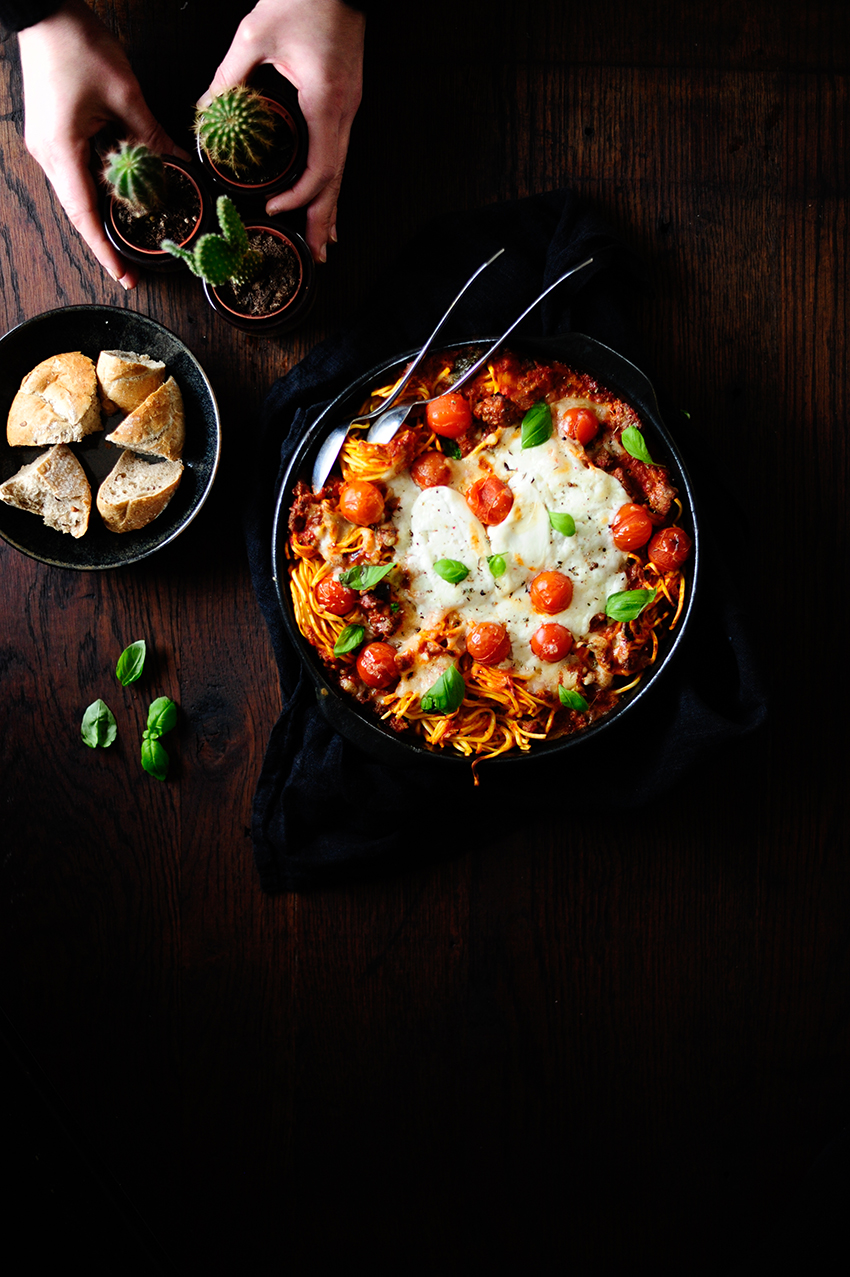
(387, 425)
(332, 446)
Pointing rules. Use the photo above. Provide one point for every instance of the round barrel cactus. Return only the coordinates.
(136, 176)
(236, 129)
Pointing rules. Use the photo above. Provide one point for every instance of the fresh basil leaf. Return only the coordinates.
(98, 725)
(451, 570)
(131, 662)
(628, 604)
(162, 716)
(451, 448)
(154, 756)
(572, 700)
(350, 638)
(498, 565)
(635, 445)
(365, 576)
(446, 695)
(536, 425)
(563, 523)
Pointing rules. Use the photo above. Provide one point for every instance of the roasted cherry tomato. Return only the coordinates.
(631, 527)
(580, 424)
(335, 597)
(669, 548)
(361, 502)
(490, 500)
(431, 470)
(449, 416)
(376, 665)
(488, 643)
(551, 642)
(551, 592)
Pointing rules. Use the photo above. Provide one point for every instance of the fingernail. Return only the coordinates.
(112, 273)
(124, 284)
(332, 236)
(204, 101)
(323, 253)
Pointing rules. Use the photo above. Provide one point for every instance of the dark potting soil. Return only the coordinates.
(276, 283)
(279, 159)
(175, 220)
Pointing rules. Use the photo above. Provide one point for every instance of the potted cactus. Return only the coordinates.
(252, 143)
(260, 277)
(149, 198)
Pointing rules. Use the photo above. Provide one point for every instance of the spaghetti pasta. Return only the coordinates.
(514, 587)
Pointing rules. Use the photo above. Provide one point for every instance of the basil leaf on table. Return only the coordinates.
(363, 576)
(451, 570)
(635, 445)
(498, 565)
(131, 662)
(563, 523)
(571, 699)
(446, 695)
(154, 756)
(98, 725)
(162, 716)
(350, 638)
(536, 425)
(451, 448)
(628, 604)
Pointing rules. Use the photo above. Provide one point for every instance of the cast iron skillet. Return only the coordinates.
(357, 723)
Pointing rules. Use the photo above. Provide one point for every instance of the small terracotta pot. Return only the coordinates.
(248, 193)
(156, 259)
(297, 305)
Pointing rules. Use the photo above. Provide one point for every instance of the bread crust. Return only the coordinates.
(54, 486)
(157, 427)
(126, 379)
(57, 403)
(135, 491)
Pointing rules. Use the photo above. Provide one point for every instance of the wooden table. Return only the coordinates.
(618, 1038)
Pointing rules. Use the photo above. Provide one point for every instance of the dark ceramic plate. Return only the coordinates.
(610, 370)
(91, 329)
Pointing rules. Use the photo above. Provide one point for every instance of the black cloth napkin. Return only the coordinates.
(325, 811)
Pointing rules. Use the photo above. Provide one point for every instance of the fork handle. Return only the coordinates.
(388, 403)
(479, 364)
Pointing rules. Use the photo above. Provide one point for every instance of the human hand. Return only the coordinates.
(318, 46)
(76, 80)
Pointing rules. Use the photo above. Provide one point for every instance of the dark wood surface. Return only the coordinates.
(612, 1038)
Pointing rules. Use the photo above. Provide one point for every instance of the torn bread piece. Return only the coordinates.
(157, 426)
(54, 486)
(136, 490)
(126, 379)
(57, 403)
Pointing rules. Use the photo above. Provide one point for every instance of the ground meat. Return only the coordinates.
(401, 449)
(496, 410)
(381, 619)
(653, 484)
(305, 513)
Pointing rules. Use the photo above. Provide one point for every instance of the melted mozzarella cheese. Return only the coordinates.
(436, 523)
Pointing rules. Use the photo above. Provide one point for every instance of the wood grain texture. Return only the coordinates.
(600, 1038)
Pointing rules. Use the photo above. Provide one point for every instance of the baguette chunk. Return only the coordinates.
(136, 490)
(157, 426)
(57, 403)
(127, 379)
(54, 486)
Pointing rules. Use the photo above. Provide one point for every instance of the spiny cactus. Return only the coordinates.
(236, 129)
(137, 177)
(218, 258)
